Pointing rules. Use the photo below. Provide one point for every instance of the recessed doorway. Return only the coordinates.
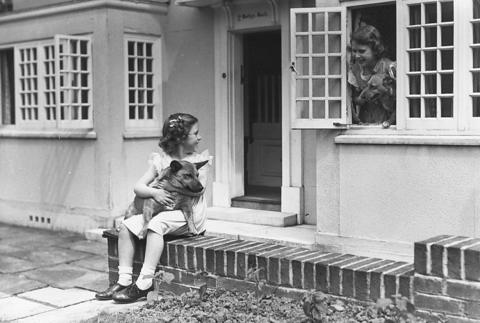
(261, 78)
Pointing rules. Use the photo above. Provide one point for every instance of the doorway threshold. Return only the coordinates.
(252, 216)
(295, 236)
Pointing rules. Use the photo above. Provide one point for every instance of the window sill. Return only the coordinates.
(397, 137)
(48, 134)
(142, 134)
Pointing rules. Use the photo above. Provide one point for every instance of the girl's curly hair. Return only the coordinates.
(175, 130)
(370, 36)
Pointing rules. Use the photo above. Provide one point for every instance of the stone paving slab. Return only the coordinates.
(95, 247)
(49, 255)
(10, 264)
(69, 276)
(59, 297)
(37, 237)
(98, 263)
(13, 284)
(79, 312)
(12, 308)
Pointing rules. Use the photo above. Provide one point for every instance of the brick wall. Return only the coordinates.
(447, 277)
(228, 261)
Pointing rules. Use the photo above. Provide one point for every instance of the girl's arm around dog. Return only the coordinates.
(142, 189)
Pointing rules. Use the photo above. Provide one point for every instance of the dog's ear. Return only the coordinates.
(175, 166)
(200, 164)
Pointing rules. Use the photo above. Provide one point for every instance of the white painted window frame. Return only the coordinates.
(316, 123)
(68, 123)
(156, 122)
(463, 89)
(42, 123)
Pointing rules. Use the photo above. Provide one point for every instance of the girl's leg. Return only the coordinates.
(126, 250)
(153, 252)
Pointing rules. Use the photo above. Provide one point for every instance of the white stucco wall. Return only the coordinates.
(389, 196)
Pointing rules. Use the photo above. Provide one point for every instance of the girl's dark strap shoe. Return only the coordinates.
(108, 293)
(131, 294)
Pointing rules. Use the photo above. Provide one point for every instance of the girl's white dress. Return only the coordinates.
(173, 222)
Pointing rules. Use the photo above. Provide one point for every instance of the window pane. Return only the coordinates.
(446, 107)
(334, 43)
(302, 109)
(149, 49)
(301, 65)
(430, 84)
(334, 21)
(447, 59)
(447, 35)
(140, 49)
(414, 108)
(318, 65)
(334, 65)
(476, 33)
(131, 80)
(430, 107)
(476, 82)
(415, 15)
(149, 96)
(447, 83)
(334, 87)
(141, 112)
(415, 38)
(430, 13)
(131, 112)
(318, 87)
(302, 22)
(149, 63)
(85, 112)
(415, 61)
(318, 109)
(414, 81)
(476, 9)
(302, 88)
(149, 81)
(334, 109)
(318, 44)
(430, 36)
(318, 21)
(302, 44)
(476, 57)
(150, 112)
(430, 60)
(476, 107)
(447, 11)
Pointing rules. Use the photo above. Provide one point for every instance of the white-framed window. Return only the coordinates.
(437, 51)
(143, 94)
(318, 47)
(52, 84)
(74, 77)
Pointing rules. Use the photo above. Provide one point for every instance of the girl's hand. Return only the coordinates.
(163, 197)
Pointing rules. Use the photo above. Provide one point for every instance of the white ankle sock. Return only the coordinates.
(125, 275)
(145, 278)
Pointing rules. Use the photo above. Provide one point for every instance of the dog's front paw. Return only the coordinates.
(385, 124)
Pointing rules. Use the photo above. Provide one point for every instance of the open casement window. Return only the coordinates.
(143, 77)
(53, 84)
(73, 66)
(318, 64)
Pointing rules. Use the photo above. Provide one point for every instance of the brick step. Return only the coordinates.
(448, 256)
(361, 278)
(245, 215)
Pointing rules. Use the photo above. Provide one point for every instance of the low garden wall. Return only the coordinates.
(444, 279)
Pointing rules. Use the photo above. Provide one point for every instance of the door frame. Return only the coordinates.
(229, 118)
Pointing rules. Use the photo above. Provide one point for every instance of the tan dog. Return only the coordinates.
(181, 181)
(380, 89)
